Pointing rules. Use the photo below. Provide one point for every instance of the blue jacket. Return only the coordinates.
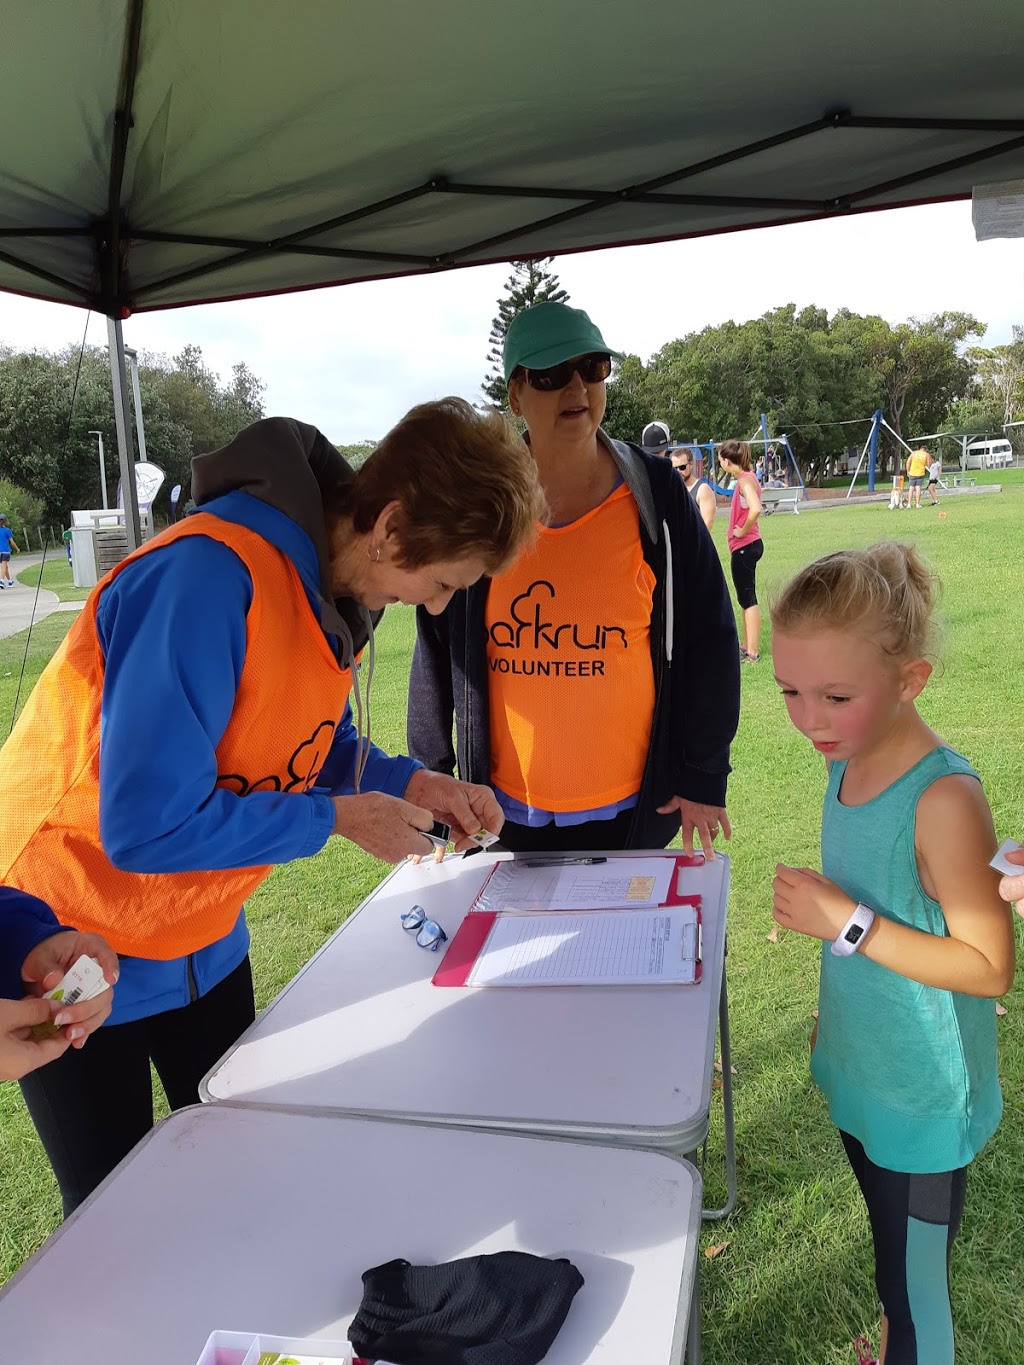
(24, 921)
(172, 628)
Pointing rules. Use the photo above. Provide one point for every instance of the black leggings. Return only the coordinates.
(90, 1107)
(914, 1219)
(743, 563)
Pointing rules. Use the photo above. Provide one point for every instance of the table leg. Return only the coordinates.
(727, 1109)
(693, 1326)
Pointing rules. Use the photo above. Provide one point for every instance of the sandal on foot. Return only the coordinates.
(865, 1352)
(750, 658)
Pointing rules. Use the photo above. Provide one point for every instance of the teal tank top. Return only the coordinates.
(908, 1070)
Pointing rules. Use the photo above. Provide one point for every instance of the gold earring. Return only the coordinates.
(374, 558)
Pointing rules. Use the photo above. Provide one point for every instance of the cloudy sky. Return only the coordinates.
(352, 360)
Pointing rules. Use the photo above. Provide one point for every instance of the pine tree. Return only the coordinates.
(530, 282)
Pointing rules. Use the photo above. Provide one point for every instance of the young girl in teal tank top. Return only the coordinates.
(916, 941)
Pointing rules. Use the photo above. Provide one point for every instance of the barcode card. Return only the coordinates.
(83, 980)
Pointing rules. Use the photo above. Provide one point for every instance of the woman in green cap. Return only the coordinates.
(595, 683)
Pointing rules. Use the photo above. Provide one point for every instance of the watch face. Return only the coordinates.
(854, 934)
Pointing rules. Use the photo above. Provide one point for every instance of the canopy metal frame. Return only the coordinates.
(113, 234)
(122, 237)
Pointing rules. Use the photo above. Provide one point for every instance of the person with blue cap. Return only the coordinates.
(594, 684)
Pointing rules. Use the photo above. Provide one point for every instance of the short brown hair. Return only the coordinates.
(887, 593)
(466, 482)
(738, 452)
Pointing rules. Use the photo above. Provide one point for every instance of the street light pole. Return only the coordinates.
(103, 468)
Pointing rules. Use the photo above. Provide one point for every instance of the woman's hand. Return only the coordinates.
(386, 826)
(47, 963)
(466, 806)
(707, 822)
(1012, 888)
(809, 903)
(20, 1053)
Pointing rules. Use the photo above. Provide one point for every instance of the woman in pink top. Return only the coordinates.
(745, 544)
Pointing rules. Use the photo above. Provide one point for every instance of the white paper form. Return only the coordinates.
(597, 948)
(633, 883)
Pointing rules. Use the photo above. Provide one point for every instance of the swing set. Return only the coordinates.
(776, 459)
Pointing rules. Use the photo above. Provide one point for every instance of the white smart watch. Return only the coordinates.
(851, 936)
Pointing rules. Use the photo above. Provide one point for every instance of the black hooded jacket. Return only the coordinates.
(694, 651)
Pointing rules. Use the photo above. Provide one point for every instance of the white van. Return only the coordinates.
(989, 454)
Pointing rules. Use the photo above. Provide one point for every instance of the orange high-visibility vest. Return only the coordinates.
(290, 698)
(569, 674)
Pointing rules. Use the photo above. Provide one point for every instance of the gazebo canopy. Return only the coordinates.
(157, 153)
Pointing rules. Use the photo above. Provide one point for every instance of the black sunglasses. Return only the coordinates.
(592, 368)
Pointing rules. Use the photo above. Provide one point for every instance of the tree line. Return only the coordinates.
(807, 371)
(811, 374)
(50, 403)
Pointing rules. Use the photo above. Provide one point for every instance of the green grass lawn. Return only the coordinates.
(794, 1282)
(56, 576)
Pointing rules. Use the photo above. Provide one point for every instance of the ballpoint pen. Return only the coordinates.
(565, 862)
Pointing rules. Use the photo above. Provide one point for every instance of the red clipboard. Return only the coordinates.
(673, 897)
(471, 935)
(681, 860)
(464, 948)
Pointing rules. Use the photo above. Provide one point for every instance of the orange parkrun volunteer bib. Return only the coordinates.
(570, 677)
(290, 695)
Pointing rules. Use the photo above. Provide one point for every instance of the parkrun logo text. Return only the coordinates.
(529, 629)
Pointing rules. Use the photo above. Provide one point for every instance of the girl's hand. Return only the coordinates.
(1012, 888)
(809, 903)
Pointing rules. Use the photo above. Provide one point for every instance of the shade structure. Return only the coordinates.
(157, 153)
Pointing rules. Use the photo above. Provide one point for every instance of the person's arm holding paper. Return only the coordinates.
(1011, 888)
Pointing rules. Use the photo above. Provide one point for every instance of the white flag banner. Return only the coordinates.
(998, 210)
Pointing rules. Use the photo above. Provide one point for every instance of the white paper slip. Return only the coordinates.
(1002, 864)
(595, 948)
(633, 883)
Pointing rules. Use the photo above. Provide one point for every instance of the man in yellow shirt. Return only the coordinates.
(917, 467)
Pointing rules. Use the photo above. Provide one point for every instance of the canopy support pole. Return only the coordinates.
(123, 425)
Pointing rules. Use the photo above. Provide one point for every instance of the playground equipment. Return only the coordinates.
(777, 456)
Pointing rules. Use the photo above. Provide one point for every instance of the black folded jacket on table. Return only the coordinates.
(503, 1309)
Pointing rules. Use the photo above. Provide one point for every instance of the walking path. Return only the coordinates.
(21, 606)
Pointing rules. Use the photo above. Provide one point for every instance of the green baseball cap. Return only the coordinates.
(549, 333)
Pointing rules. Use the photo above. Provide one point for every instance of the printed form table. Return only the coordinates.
(361, 1030)
(247, 1219)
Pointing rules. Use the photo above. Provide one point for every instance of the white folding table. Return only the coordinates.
(246, 1219)
(361, 1030)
